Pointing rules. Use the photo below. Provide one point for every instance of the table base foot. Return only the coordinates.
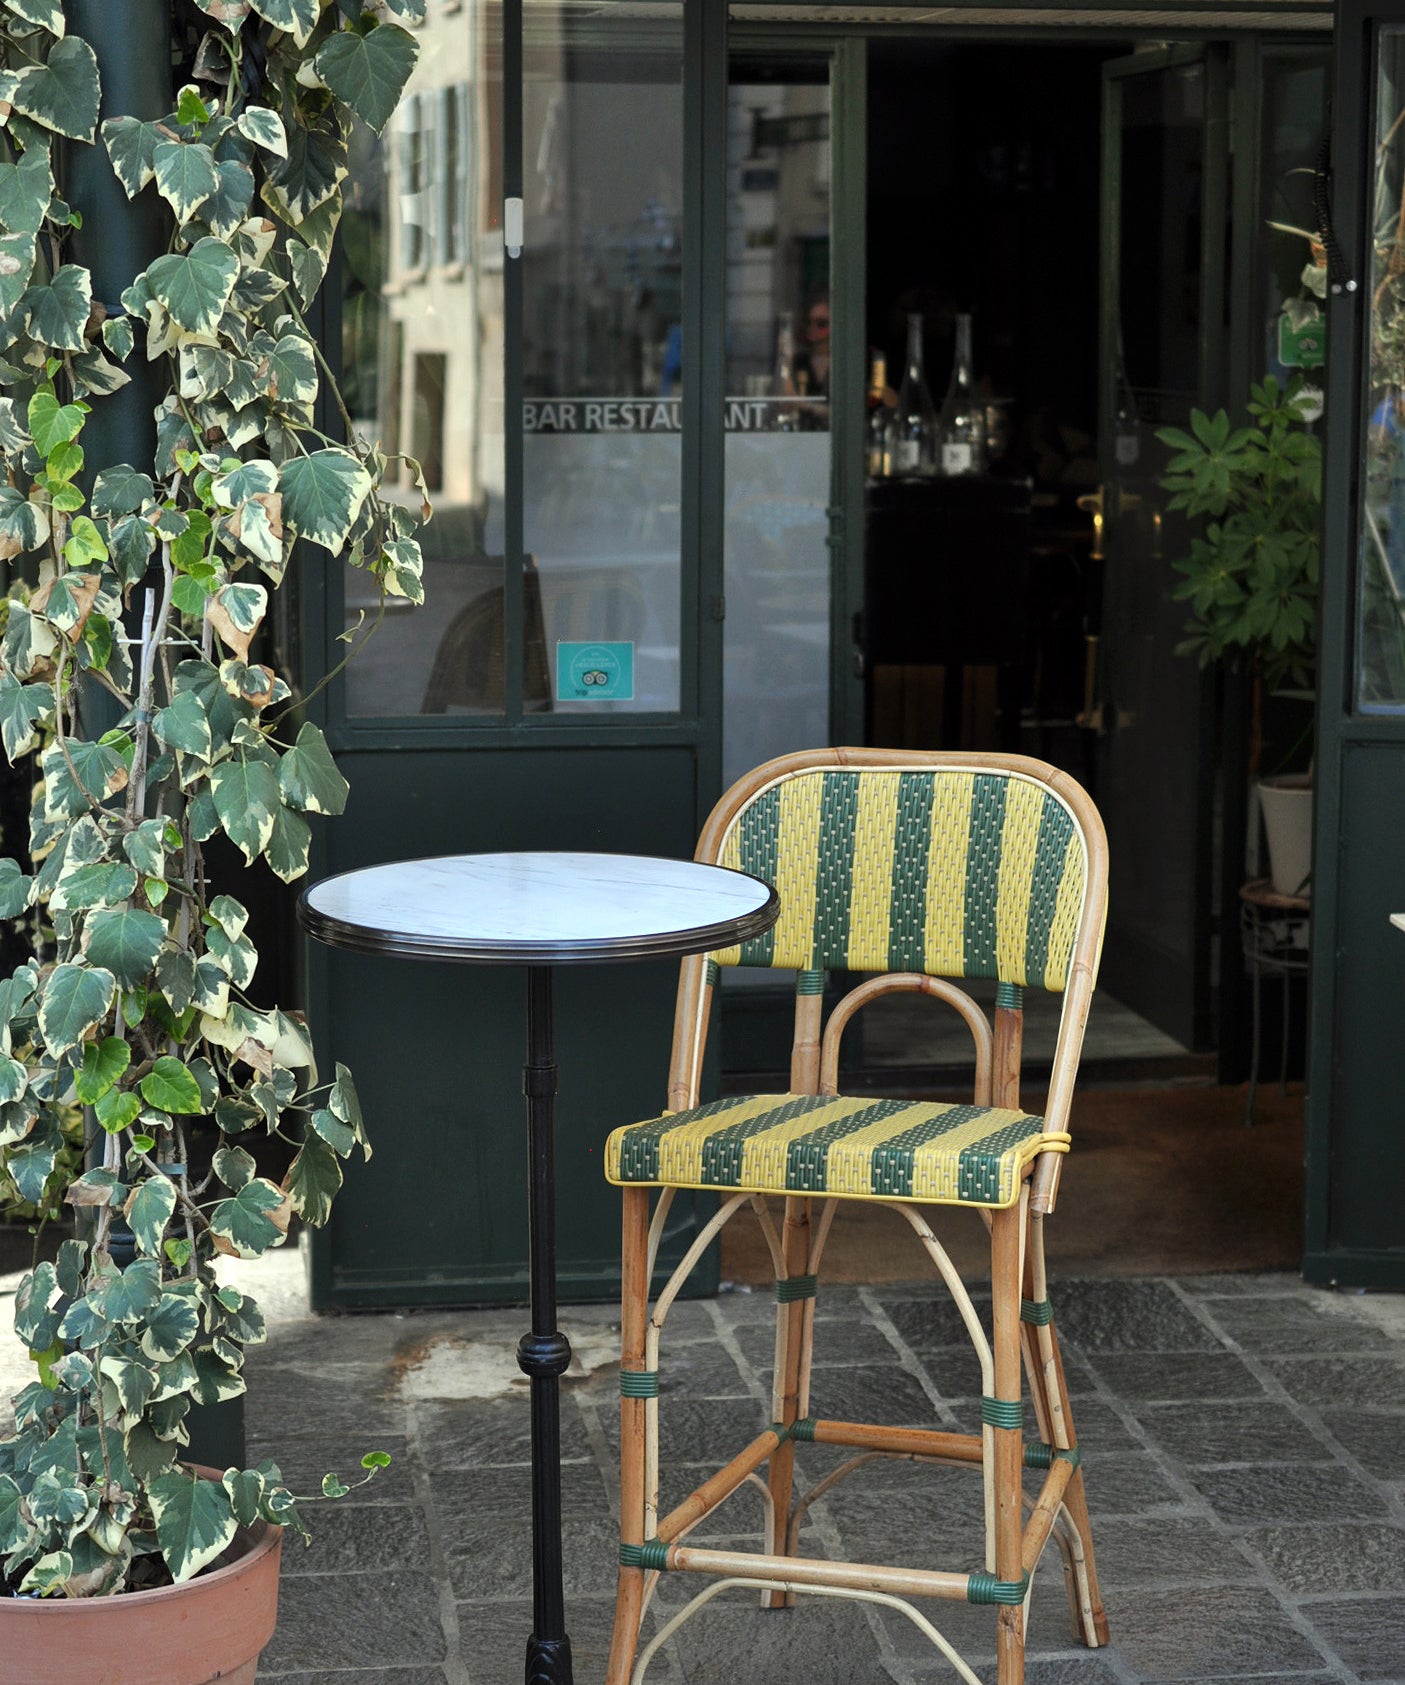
(549, 1661)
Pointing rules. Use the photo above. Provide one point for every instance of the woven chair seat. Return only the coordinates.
(918, 1150)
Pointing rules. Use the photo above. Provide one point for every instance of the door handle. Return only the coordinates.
(1090, 715)
(1092, 504)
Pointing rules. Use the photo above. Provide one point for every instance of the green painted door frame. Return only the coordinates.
(1355, 1235)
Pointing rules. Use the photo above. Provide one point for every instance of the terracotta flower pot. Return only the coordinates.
(211, 1628)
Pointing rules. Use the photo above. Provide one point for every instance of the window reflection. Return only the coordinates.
(602, 356)
(423, 355)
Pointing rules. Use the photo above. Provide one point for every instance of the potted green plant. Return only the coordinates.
(146, 585)
(1250, 579)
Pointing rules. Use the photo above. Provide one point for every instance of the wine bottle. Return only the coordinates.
(915, 425)
(962, 426)
(878, 449)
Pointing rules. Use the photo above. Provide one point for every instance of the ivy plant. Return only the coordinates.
(144, 587)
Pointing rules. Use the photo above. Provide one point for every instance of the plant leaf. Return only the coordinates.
(195, 285)
(124, 941)
(17, 253)
(22, 707)
(149, 1210)
(103, 1064)
(170, 1085)
(131, 145)
(323, 494)
(47, 14)
(246, 799)
(368, 71)
(57, 312)
(194, 1522)
(185, 175)
(265, 128)
(313, 1180)
(75, 998)
(298, 17)
(169, 1328)
(308, 776)
(246, 1220)
(26, 187)
(289, 844)
(61, 94)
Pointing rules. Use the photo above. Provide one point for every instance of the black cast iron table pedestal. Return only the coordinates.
(540, 910)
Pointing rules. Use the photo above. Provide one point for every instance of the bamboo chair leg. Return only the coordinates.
(1006, 1235)
(1089, 1616)
(787, 1383)
(629, 1597)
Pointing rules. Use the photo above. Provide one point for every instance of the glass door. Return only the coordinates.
(1164, 303)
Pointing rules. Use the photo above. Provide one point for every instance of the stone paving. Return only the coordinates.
(1243, 1437)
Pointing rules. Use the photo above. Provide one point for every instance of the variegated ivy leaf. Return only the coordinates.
(122, 491)
(291, 371)
(87, 773)
(236, 612)
(67, 601)
(313, 1180)
(26, 187)
(133, 1382)
(194, 1522)
(146, 846)
(298, 17)
(132, 544)
(234, 1167)
(243, 480)
(289, 845)
(13, 437)
(230, 915)
(403, 570)
(15, 887)
(92, 373)
(319, 227)
(185, 175)
(14, 1079)
(246, 797)
(323, 494)
(265, 128)
(75, 999)
(228, 205)
(131, 145)
(211, 992)
(308, 776)
(49, 1574)
(367, 68)
(195, 285)
(170, 1328)
(314, 168)
(231, 13)
(22, 708)
(256, 527)
(17, 253)
(184, 725)
(61, 94)
(23, 525)
(94, 1189)
(45, 14)
(309, 268)
(117, 337)
(57, 312)
(103, 883)
(411, 10)
(253, 1220)
(149, 1210)
(124, 941)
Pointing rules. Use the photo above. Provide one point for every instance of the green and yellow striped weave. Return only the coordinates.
(858, 1149)
(949, 871)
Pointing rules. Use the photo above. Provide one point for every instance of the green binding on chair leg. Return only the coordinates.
(1038, 1311)
(1002, 1412)
(796, 1287)
(1010, 996)
(1038, 1455)
(652, 1554)
(985, 1588)
(639, 1383)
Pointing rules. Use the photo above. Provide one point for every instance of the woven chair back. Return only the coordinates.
(957, 871)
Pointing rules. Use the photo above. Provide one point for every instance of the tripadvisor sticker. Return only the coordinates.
(595, 672)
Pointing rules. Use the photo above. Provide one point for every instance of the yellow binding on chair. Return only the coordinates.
(922, 868)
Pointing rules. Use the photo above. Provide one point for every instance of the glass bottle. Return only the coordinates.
(915, 424)
(879, 445)
(962, 427)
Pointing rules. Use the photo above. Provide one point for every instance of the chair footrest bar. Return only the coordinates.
(911, 1442)
(813, 1571)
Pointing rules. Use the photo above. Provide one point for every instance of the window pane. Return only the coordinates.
(423, 359)
(776, 671)
(1380, 664)
(602, 338)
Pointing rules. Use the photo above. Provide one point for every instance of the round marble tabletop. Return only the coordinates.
(538, 908)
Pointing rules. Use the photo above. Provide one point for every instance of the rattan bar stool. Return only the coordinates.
(922, 868)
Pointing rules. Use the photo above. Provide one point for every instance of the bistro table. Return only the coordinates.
(540, 910)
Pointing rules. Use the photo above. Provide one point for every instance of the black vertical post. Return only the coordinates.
(544, 1354)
